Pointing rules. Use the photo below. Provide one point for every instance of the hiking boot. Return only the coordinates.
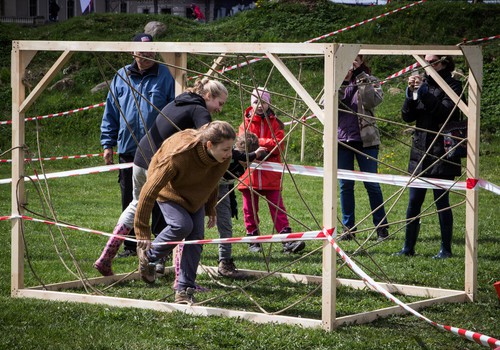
(185, 296)
(147, 269)
(382, 233)
(293, 247)
(160, 266)
(228, 269)
(126, 253)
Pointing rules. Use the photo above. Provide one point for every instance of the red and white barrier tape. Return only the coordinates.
(396, 180)
(401, 72)
(86, 171)
(474, 336)
(479, 40)
(56, 114)
(242, 64)
(328, 234)
(56, 158)
(282, 237)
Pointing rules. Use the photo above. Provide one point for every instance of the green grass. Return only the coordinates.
(92, 201)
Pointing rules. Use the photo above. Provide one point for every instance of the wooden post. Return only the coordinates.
(474, 58)
(19, 61)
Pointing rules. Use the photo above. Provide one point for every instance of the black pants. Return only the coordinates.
(126, 188)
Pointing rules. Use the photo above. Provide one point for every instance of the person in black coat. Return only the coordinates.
(53, 10)
(429, 107)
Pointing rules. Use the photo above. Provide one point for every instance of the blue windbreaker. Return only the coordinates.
(156, 85)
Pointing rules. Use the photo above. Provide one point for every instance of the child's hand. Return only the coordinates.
(261, 153)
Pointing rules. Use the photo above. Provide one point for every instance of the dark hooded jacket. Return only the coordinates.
(429, 111)
(187, 111)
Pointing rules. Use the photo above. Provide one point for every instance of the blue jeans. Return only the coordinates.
(347, 204)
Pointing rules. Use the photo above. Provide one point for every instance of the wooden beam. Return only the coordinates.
(475, 59)
(442, 84)
(167, 307)
(45, 81)
(297, 86)
(18, 67)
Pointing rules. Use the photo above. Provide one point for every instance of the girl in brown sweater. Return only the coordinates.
(183, 177)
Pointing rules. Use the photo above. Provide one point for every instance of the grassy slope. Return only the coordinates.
(23, 326)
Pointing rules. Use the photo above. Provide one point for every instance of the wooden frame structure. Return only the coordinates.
(337, 59)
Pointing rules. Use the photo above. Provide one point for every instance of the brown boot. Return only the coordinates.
(228, 269)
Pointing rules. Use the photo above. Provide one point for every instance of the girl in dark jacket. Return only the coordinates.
(429, 108)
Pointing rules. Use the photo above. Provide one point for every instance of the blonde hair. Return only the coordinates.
(206, 85)
(215, 132)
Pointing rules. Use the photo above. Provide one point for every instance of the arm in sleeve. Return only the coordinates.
(110, 124)
(271, 142)
(370, 90)
(441, 107)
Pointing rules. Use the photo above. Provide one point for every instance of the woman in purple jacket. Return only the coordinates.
(359, 139)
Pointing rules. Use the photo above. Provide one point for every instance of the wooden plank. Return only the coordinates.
(45, 81)
(166, 307)
(297, 86)
(188, 47)
(410, 50)
(18, 68)
(371, 316)
(474, 57)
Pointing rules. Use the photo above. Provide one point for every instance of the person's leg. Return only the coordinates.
(373, 189)
(279, 217)
(445, 222)
(191, 253)
(280, 220)
(224, 222)
(123, 227)
(345, 160)
(417, 196)
(127, 190)
(251, 217)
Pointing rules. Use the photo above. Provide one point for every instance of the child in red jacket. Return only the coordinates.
(261, 120)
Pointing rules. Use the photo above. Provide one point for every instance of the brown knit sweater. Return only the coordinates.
(188, 177)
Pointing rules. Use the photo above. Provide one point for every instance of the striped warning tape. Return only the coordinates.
(397, 180)
(474, 336)
(282, 237)
(3, 122)
(57, 158)
(242, 64)
(328, 234)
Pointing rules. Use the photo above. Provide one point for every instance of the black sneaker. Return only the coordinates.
(293, 247)
(227, 268)
(185, 296)
(382, 233)
(346, 236)
(126, 253)
(254, 247)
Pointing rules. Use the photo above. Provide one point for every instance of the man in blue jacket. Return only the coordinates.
(129, 113)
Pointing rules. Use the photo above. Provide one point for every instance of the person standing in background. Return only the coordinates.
(429, 107)
(130, 110)
(359, 139)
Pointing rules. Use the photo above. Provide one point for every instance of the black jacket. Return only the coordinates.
(186, 111)
(430, 111)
